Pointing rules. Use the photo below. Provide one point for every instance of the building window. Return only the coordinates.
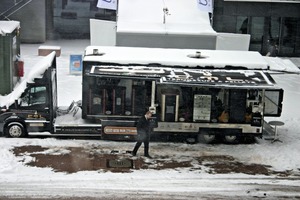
(289, 43)
(267, 23)
(242, 25)
(71, 18)
(34, 97)
(257, 33)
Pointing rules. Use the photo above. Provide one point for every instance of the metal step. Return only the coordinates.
(268, 131)
(78, 129)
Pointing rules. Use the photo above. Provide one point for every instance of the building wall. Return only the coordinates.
(71, 18)
(33, 21)
(267, 23)
(166, 41)
(5, 5)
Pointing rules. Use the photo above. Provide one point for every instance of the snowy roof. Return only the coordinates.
(37, 71)
(282, 64)
(176, 57)
(295, 61)
(184, 17)
(7, 27)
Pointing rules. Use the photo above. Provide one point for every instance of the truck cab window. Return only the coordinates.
(35, 96)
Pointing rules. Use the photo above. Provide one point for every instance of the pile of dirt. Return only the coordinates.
(75, 159)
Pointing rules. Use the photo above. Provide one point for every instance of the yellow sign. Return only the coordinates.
(34, 116)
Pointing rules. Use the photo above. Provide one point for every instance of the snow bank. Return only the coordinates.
(7, 27)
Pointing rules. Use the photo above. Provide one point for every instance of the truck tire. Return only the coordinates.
(15, 130)
(206, 137)
(232, 139)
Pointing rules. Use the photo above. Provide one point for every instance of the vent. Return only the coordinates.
(197, 55)
(96, 52)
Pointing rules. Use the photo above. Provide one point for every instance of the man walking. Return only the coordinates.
(143, 134)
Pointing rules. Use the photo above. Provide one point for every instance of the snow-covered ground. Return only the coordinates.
(20, 180)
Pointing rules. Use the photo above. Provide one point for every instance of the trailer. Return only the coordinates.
(203, 94)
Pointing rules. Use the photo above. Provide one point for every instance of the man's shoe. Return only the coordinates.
(133, 154)
(148, 156)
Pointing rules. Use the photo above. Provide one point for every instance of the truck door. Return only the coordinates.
(170, 105)
(273, 103)
(35, 103)
(237, 105)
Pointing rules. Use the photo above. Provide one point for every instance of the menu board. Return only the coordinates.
(202, 107)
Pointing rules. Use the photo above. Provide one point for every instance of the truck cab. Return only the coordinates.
(31, 107)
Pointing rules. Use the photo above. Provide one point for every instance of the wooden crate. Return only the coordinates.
(46, 50)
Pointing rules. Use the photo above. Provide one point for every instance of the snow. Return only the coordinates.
(50, 47)
(40, 68)
(7, 27)
(282, 64)
(148, 17)
(181, 57)
(19, 180)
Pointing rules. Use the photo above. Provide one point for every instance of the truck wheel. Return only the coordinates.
(206, 137)
(15, 130)
(231, 139)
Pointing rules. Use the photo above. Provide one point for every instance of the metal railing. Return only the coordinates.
(13, 9)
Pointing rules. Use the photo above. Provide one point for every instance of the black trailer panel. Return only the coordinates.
(184, 101)
(83, 129)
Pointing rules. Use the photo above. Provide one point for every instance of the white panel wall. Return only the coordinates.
(232, 41)
(103, 33)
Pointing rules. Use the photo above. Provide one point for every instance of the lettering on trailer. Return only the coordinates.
(142, 71)
(219, 77)
(189, 76)
(120, 130)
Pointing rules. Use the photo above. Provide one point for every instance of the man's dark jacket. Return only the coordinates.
(143, 129)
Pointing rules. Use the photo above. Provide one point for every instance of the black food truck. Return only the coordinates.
(201, 93)
(204, 95)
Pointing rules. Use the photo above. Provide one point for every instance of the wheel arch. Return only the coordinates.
(14, 121)
(208, 135)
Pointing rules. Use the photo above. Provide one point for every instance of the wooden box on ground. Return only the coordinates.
(46, 50)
